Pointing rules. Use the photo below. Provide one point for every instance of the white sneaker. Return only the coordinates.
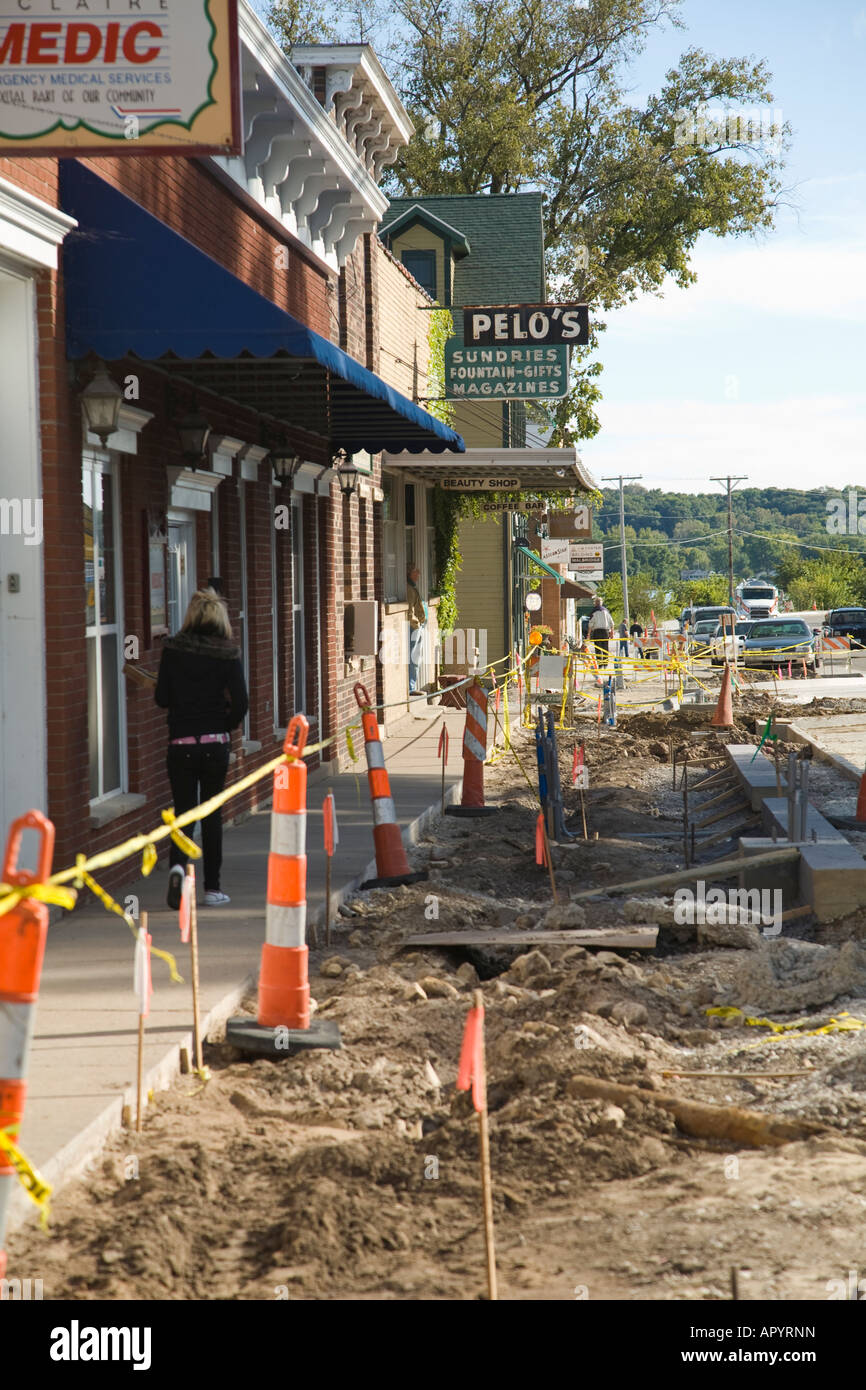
(216, 899)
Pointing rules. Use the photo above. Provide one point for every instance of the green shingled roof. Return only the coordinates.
(505, 232)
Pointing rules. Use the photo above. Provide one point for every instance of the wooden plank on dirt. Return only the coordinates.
(637, 938)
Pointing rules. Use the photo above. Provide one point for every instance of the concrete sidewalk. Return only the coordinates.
(83, 1062)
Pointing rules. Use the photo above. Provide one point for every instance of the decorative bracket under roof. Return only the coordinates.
(315, 167)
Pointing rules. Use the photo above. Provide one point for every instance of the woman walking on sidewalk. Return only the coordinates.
(201, 684)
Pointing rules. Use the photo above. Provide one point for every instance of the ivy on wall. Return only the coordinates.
(439, 330)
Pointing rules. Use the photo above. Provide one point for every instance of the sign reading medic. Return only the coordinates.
(119, 76)
(526, 323)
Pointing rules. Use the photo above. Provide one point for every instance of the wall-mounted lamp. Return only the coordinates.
(194, 431)
(347, 475)
(285, 463)
(101, 401)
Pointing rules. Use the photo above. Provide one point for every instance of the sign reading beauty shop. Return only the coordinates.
(119, 77)
(526, 323)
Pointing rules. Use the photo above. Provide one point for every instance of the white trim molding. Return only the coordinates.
(30, 229)
(192, 488)
(131, 421)
(315, 169)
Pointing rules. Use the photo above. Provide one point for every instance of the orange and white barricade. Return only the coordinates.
(23, 933)
(392, 866)
(474, 756)
(283, 1025)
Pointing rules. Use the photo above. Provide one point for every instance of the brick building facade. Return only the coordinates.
(131, 526)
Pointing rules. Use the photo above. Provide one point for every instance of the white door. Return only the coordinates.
(181, 566)
(22, 626)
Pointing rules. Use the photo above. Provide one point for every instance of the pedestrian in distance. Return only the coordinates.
(622, 634)
(600, 626)
(201, 684)
(636, 632)
(417, 624)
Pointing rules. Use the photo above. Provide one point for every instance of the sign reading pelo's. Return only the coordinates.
(526, 323)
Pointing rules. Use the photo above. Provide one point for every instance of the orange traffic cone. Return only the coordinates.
(474, 755)
(860, 813)
(283, 1026)
(392, 866)
(23, 933)
(724, 715)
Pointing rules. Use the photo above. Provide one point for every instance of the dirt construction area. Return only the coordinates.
(665, 1124)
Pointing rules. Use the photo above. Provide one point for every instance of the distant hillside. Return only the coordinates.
(799, 538)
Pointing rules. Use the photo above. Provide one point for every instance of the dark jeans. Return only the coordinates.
(196, 772)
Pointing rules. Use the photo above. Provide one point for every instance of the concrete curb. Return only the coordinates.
(76, 1157)
(798, 735)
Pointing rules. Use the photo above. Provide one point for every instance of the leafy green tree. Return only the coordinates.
(532, 94)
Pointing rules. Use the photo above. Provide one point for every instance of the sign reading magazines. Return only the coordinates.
(586, 561)
(505, 373)
(118, 76)
(526, 323)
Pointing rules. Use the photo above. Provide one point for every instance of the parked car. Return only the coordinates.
(776, 641)
(701, 634)
(723, 648)
(703, 614)
(847, 622)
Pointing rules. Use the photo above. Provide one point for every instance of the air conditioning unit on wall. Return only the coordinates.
(361, 627)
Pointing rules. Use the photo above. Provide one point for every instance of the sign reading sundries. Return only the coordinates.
(505, 373)
(119, 76)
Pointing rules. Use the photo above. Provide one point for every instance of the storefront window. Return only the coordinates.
(103, 631)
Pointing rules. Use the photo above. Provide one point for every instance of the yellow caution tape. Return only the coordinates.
(350, 743)
(843, 1023)
(37, 1188)
(109, 903)
(38, 892)
(182, 841)
(148, 860)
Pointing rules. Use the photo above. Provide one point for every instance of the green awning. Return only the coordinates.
(537, 560)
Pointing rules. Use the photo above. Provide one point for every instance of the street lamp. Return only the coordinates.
(285, 463)
(347, 474)
(101, 401)
(194, 431)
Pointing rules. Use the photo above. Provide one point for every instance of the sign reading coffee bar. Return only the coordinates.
(505, 373)
(118, 76)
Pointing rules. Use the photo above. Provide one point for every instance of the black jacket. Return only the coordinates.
(201, 684)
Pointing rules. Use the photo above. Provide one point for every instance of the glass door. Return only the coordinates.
(181, 566)
(299, 666)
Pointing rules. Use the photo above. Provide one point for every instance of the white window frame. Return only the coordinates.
(394, 543)
(106, 461)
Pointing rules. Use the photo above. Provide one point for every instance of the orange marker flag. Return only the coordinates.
(471, 1069)
(443, 742)
(183, 916)
(329, 822)
(540, 850)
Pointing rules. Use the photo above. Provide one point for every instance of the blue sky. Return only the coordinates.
(759, 368)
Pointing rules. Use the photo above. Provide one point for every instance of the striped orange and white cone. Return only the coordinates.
(23, 933)
(392, 866)
(474, 756)
(283, 1024)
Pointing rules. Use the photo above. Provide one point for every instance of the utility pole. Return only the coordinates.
(731, 484)
(621, 480)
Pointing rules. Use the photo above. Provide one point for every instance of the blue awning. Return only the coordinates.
(135, 288)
